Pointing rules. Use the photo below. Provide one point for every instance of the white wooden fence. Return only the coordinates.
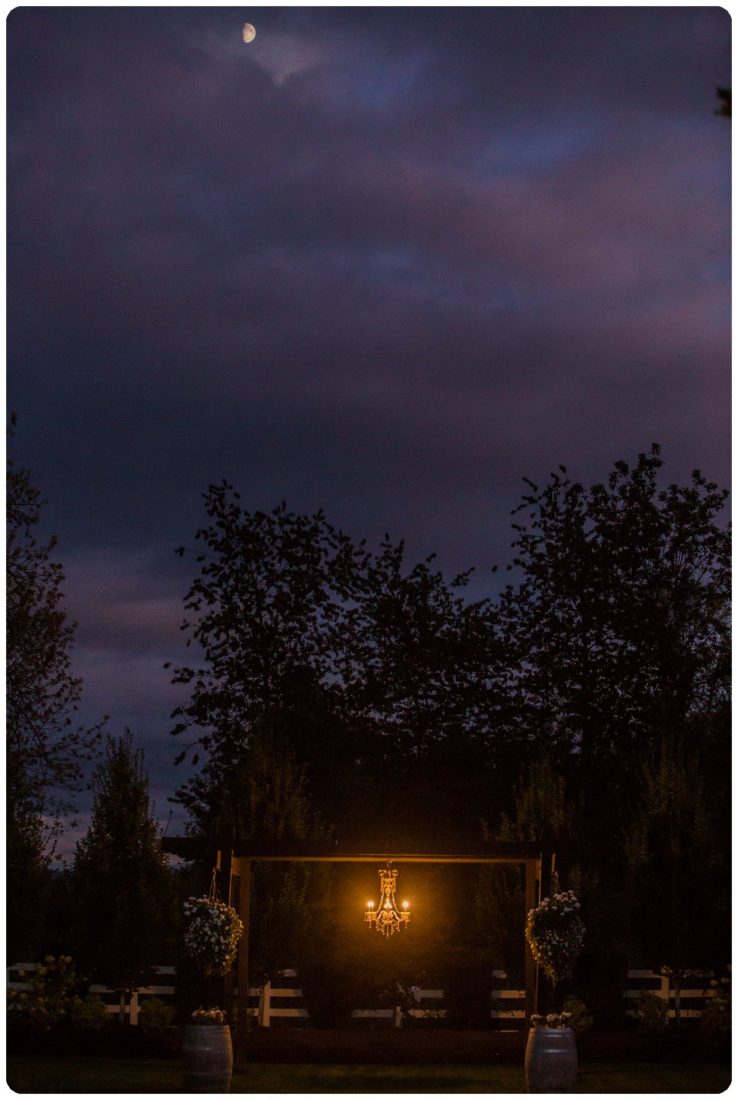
(109, 996)
(510, 1003)
(285, 1001)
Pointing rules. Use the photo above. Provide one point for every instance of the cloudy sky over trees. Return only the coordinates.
(380, 261)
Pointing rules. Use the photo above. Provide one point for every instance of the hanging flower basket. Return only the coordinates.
(212, 932)
(555, 932)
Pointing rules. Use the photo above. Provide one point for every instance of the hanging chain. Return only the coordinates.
(213, 892)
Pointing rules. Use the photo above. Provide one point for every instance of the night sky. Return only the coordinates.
(383, 261)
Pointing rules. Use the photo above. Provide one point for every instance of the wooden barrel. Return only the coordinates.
(207, 1054)
(551, 1060)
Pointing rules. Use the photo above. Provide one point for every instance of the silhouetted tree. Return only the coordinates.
(543, 814)
(619, 629)
(46, 752)
(678, 866)
(725, 95)
(361, 663)
(264, 795)
(122, 889)
(422, 670)
(620, 624)
(261, 611)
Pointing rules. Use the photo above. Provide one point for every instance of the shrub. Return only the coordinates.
(579, 1017)
(717, 1013)
(330, 994)
(87, 1012)
(53, 990)
(155, 1013)
(653, 1011)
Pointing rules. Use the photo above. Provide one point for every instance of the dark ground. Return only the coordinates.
(444, 1046)
(378, 1046)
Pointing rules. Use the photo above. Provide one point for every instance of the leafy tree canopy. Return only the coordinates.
(620, 623)
(47, 752)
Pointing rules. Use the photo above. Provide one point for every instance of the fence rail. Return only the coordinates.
(267, 1002)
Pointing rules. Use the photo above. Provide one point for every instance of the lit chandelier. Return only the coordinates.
(386, 918)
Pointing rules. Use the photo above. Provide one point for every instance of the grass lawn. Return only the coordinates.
(48, 1075)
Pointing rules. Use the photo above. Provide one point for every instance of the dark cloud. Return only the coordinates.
(385, 261)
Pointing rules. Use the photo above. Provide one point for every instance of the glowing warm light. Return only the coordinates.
(387, 919)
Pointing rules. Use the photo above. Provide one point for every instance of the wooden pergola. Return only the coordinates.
(233, 858)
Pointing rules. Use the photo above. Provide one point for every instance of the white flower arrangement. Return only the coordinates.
(554, 1019)
(555, 932)
(212, 932)
(210, 1016)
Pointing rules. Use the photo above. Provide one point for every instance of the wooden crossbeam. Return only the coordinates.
(195, 848)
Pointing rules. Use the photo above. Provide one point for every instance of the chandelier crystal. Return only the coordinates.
(386, 917)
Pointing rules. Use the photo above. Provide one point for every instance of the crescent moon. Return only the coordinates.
(249, 32)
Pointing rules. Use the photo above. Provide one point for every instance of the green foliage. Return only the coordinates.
(29, 878)
(52, 996)
(716, 1018)
(678, 870)
(264, 795)
(88, 1013)
(499, 913)
(542, 813)
(579, 1018)
(120, 882)
(652, 1012)
(154, 1013)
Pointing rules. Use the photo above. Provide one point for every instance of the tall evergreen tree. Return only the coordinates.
(121, 884)
(543, 814)
(678, 865)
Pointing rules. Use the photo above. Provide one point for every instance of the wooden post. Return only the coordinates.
(224, 865)
(546, 868)
(531, 991)
(263, 1017)
(243, 870)
(547, 863)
